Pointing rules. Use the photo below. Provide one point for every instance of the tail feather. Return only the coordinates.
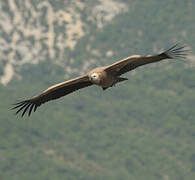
(120, 79)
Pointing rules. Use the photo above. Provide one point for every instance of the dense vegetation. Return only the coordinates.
(142, 129)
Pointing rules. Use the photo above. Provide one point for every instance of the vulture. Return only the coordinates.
(105, 77)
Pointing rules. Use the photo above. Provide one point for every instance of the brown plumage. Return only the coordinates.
(104, 77)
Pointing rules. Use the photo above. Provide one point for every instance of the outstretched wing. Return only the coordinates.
(53, 92)
(135, 61)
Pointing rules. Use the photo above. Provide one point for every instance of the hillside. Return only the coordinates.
(142, 129)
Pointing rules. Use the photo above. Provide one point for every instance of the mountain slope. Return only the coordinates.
(142, 129)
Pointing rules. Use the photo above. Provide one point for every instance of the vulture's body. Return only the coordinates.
(104, 77)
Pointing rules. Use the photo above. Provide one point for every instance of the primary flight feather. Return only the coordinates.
(105, 77)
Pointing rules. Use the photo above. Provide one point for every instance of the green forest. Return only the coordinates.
(141, 129)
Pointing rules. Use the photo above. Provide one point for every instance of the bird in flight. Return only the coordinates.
(105, 77)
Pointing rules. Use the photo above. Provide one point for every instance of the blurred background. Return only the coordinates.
(141, 129)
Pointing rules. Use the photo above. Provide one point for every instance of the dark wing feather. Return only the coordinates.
(135, 61)
(54, 92)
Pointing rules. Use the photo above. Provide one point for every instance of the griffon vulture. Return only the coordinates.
(105, 77)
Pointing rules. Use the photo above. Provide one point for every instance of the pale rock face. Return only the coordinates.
(28, 35)
(7, 74)
(28, 32)
(109, 53)
(105, 11)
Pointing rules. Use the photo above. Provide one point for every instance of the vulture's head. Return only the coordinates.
(95, 78)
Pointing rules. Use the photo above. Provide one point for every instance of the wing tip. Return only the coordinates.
(177, 51)
(24, 107)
